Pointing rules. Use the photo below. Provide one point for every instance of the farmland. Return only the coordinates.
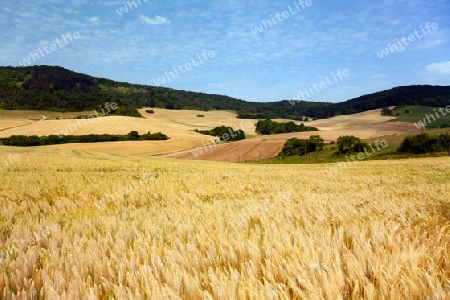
(179, 125)
(84, 225)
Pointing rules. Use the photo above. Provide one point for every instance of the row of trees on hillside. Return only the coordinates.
(424, 143)
(349, 144)
(224, 133)
(301, 147)
(55, 88)
(345, 145)
(34, 140)
(271, 127)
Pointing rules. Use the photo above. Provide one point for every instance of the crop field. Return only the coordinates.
(179, 125)
(78, 225)
(415, 114)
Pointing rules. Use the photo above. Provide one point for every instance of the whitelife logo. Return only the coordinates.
(184, 68)
(66, 39)
(316, 88)
(397, 47)
(266, 24)
(10, 160)
(71, 127)
(431, 118)
(131, 5)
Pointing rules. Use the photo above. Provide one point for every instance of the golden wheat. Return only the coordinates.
(77, 225)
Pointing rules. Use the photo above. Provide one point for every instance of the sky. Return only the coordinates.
(258, 50)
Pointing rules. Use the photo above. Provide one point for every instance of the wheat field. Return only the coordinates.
(78, 225)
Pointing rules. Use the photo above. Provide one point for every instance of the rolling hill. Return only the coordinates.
(179, 125)
(58, 89)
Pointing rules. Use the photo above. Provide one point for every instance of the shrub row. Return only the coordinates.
(272, 127)
(300, 147)
(34, 140)
(224, 133)
(424, 143)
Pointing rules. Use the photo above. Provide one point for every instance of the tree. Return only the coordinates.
(224, 133)
(295, 146)
(385, 111)
(424, 143)
(350, 144)
(133, 135)
(270, 127)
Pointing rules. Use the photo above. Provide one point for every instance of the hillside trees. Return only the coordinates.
(55, 88)
(271, 127)
(224, 133)
(424, 143)
(300, 147)
(34, 140)
(350, 144)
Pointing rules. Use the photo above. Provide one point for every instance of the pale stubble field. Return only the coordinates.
(76, 225)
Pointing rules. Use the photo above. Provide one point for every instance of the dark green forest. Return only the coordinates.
(59, 89)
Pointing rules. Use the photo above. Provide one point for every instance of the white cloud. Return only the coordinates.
(157, 20)
(440, 68)
(93, 19)
(433, 43)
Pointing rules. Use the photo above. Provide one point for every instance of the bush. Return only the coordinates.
(385, 111)
(133, 135)
(224, 133)
(149, 111)
(300, 147)
(271, 127)
(350, 144)
(424, 143)
(26, 141)
(200, 116)
(154, 137)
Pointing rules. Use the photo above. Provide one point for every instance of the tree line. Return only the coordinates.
(301, 147)
(424, 143)
(267, 127)
(55, 88)
(224, 133)
(34, 140)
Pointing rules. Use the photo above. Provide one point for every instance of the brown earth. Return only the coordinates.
(262, 147)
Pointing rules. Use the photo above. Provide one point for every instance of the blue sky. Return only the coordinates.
(296, 53)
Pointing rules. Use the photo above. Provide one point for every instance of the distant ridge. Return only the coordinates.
(59, 89)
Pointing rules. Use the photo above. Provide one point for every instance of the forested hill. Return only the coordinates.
(56, 88)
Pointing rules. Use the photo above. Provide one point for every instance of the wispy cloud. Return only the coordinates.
(157, 20)
(298, 51)
(431, 44)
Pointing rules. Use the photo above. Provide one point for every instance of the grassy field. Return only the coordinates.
(415, 114)
(77, 225)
